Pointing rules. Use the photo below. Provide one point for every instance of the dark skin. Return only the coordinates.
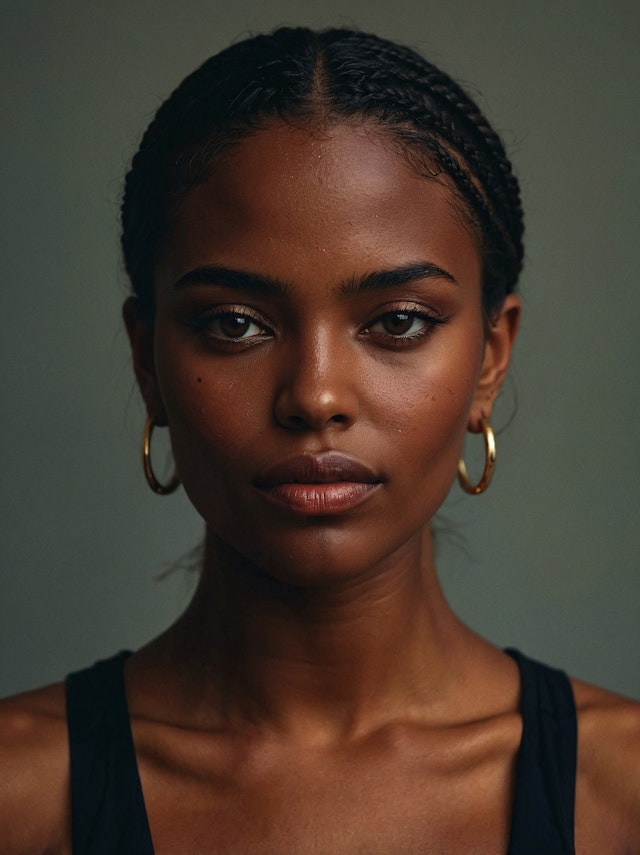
(358, 714)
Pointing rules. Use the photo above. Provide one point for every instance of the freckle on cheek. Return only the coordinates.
(199, 379)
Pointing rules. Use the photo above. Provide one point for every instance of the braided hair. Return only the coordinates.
(299, 75)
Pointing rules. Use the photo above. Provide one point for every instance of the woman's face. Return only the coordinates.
(318, 349)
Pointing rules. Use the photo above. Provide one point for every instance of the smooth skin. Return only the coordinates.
(318, 696)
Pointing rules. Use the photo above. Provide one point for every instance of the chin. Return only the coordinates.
(314, 556)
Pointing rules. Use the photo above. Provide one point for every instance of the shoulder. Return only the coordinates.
(34, 785)
(608, 780)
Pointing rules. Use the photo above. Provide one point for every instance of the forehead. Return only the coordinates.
(285, 200)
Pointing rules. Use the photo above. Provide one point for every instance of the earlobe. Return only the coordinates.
(499, 342)
(140, 332)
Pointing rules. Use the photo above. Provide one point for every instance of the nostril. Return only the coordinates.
(297, 422)
(301, 423)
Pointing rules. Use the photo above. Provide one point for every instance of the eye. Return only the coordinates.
(402, 323)
(230, 326)
(403, 327)
(233, 325)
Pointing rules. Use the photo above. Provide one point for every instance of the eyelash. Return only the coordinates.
(207, 322)
(412, 313)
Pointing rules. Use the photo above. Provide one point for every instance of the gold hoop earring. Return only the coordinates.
(489, 463)
(152, 481)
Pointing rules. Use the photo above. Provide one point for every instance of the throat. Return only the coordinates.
(324, 662)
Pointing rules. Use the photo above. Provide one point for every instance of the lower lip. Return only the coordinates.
(319, 499)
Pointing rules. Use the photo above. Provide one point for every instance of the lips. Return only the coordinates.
(319, 484)
(327, 468)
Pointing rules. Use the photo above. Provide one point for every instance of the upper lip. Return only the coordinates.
(327, 468)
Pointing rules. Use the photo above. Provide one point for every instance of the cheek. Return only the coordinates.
(434, 394)
(425, 414)
(214, 408)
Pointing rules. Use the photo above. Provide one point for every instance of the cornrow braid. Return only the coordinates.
(298, 75)
(460, 103)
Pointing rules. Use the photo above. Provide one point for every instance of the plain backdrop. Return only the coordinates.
(547, 560)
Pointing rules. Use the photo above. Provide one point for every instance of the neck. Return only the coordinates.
(326, 660)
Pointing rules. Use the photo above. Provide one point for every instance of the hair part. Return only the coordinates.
(299, 76)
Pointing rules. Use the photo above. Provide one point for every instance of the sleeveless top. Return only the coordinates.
(108, 811)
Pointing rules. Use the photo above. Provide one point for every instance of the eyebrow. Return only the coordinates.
(242, 280)
(382, 279)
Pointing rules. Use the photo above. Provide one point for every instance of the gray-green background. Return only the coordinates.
(548, 559)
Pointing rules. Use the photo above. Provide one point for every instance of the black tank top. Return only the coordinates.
(109, 816)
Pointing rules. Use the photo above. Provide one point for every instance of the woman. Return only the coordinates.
(323, 236)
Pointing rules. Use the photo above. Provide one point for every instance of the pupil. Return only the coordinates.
(398, 323)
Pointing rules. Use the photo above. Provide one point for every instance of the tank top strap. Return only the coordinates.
(108, 812)
(544, 799)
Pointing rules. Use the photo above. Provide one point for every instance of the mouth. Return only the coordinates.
(318, 484)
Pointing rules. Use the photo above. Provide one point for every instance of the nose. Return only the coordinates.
(317, 389)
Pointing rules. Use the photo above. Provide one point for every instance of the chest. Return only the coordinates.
(394, 802)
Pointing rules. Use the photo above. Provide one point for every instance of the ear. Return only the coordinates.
(497, 353)
(140, 332)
